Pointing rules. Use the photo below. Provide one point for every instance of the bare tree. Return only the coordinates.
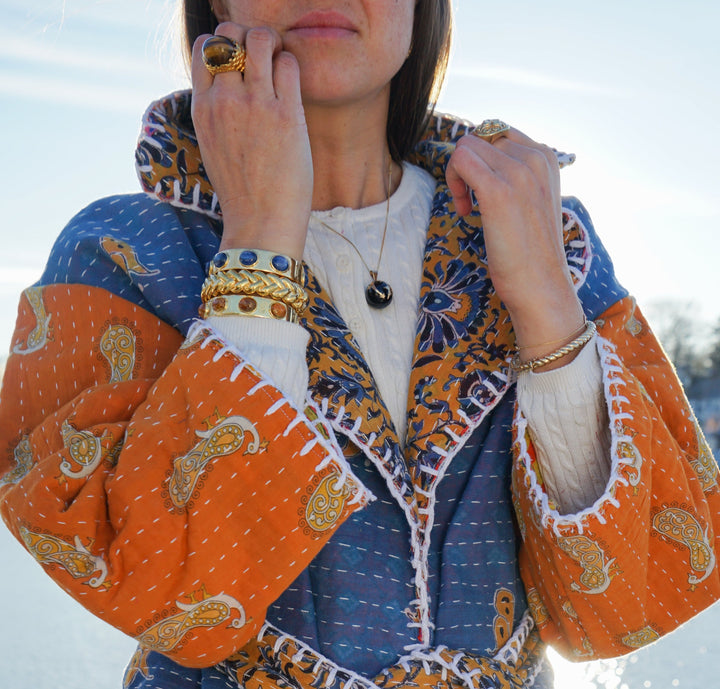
(714, 351)
(683, 335)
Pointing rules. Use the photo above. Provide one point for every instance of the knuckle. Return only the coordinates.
(259, 35)
(547, 151)
(227, 101)
(198, 42)
(286, 60)
(463, 154)
(226, 28)
(521, 174)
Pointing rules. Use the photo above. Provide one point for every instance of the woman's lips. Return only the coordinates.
(323, 25)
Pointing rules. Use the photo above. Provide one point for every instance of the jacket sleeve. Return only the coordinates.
(162, 482)
(642, 559)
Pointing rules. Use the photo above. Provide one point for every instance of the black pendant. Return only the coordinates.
(378, 294)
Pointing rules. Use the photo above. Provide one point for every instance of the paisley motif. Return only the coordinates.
(76, 560)
(325, 505)
(138, 665)
(597, 572)
(641, 638)
(587, 651)
(681, 527)
(633, 325)
(22, 454)
(124, 256)
(504, 619)
(212, 611)
(118, 346)
(537, 607)
(222, 440)
(631, 457)
(84, 448)
(567, 608)
(38, 336)
(704, 464)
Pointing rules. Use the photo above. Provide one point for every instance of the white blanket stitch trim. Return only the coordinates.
(582, 264)
(508, 655)
(617, 411)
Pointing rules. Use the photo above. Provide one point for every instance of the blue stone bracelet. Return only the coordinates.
(258, 259)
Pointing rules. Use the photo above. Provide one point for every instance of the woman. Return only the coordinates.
(311, 486)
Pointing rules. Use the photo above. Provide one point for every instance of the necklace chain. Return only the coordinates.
(378, 293)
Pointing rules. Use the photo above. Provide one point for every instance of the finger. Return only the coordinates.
(542, 162)
(497, 161)
(237, 33)
(466, 165)
(261, 45)
(518, 137)
(515, 136)
(287, 77)
(517, 159)
(201, 79)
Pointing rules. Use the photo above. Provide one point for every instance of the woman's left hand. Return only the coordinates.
(516, 182)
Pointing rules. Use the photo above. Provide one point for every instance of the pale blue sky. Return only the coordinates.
(629, 86)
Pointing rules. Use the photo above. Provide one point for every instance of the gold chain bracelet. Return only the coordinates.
(255, 283)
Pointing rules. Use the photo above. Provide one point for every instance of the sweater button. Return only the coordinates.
(342, 262)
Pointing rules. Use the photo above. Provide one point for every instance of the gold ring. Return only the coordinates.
(222, 54)
(491, 130)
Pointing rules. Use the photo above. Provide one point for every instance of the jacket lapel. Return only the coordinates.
(464, 340)
(343, 386)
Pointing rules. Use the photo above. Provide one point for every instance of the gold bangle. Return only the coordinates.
(577, 343)
(244, 305)
(255, 283)
(258, 259)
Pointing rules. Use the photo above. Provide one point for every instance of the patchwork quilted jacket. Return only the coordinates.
(245, 542)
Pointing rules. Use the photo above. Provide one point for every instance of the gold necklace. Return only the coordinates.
(378, 293)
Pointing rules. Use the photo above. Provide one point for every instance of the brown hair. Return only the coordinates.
(413, 90)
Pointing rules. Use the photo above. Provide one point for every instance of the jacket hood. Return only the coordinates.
(170, 168)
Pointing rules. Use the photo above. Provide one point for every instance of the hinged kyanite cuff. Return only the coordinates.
(258, 259)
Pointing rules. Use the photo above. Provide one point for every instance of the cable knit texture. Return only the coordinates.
(570, 427)
(276, 347)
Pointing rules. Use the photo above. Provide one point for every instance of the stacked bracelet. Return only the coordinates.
(254, 282)
(244, 305)
(577, 343)
(257, 259)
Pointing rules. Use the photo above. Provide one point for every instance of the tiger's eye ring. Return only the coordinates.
(223, 54)
(491, 130)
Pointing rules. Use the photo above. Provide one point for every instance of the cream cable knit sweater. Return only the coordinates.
(565, 407)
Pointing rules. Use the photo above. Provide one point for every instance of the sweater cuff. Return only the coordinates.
(275, 348)
(569, 426)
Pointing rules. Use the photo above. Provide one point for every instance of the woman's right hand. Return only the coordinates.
(254, 143)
